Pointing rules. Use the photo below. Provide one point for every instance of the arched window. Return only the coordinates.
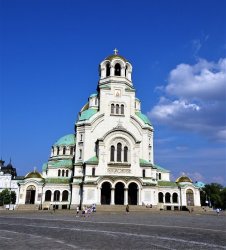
(108, 69)
(175, 198)
(71, 151)
(58, 150)
(119, 152)
(144, 174)
(112, 153)
(66, 173)
(122, 109)
(48, 195)
(65, 195)
(160, 176)
(167, 197)
(160, 197)
(125, 154)
(117, 69)
(63, 173)
(64, 150)
(93, 171)
(80, 154)
(117, 109)
(59, 172)
(52, 150)
(112, 108)
(56, 196)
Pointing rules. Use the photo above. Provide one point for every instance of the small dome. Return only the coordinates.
(66, 140)
(33, 174)
(183, 179)
(112, 57)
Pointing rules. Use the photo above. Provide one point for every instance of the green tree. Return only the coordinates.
(7, 197)
(213, 193)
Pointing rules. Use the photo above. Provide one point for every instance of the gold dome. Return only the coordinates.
(183, 179)
(33, 174)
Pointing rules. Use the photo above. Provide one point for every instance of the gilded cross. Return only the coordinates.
(116, 51)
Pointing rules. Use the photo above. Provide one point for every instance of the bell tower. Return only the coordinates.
(115, 68)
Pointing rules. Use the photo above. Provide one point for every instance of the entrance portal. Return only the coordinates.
(190, 197)
(30, 195)
(132, 194)
(119, 193)
(106, 193)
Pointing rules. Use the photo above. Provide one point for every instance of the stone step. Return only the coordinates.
(122, 208)
(27, 207)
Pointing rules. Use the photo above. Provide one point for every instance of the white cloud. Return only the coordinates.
(194, 99)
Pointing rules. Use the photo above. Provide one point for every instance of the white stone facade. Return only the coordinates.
(110, 158)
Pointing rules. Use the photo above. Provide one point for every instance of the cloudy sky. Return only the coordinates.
(50, 51)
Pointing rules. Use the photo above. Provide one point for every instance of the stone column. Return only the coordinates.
(112, 196)
(125, 196)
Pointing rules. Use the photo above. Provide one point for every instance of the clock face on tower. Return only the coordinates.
(117, 92)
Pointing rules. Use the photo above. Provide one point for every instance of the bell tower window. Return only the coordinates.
(117, 69)
(122, 109)
(112, 108)
(108, 69)
(119, 151)
(112, 153)
(125, 154)
(117, 109)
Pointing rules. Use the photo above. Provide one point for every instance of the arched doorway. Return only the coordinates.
(190, 197)
(132, 194)
(119, 193)
(106, 193)
(30, 195)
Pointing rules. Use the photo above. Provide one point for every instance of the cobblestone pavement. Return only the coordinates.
(63, 230)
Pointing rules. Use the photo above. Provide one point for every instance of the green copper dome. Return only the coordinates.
(66, 140)
(144, 118)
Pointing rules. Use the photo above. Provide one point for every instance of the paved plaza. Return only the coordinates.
(136, 230)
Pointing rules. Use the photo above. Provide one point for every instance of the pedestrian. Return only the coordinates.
(218, 211)
(127, 208)
(77, 211)
(83, 211)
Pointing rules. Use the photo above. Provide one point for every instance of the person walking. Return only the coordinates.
(127, 208)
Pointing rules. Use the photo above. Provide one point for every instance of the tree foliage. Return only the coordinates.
(215, 194)
(7, 197)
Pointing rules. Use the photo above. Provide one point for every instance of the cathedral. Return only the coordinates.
(109, 159)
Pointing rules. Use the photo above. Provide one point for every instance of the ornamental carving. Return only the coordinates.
(118, 171)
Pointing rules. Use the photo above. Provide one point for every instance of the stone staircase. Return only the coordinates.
(122, 208)
(27, 207)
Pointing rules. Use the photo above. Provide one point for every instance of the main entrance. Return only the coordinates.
(119, 193)
(190, 197)
(106, 193)
(30, 195)
(132, 194)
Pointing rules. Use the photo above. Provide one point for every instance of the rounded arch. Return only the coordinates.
(106, 193)
(160, 197)
(167, 198)
(175, 198)
(65, 195)
(118, 69)
(119, 193)
(56, 196)
(132, 193)
(30, 194)
(48, 195)
(190, 197)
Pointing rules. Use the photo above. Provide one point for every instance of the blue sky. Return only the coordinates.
(50, 51)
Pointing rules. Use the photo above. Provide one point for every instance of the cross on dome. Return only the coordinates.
(116, 51)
